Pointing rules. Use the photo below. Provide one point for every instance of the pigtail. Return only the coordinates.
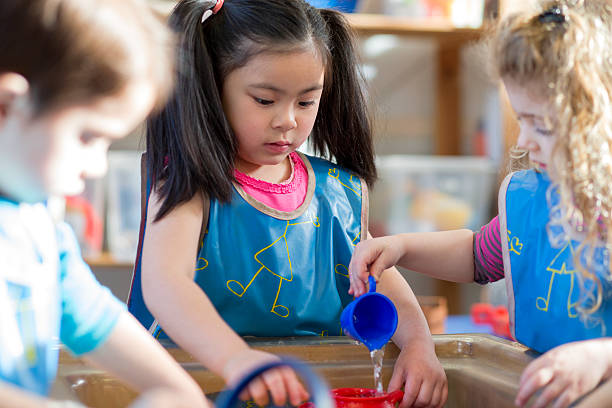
(190, 144)
(343, 128)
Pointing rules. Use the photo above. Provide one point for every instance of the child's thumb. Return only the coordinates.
(378, 267)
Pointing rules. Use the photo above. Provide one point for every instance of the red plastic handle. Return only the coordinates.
(395, 396)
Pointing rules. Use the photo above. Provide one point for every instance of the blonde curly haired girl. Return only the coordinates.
(550, 240)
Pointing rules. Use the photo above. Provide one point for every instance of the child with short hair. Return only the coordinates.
(551, 239)
(74, 76)
(243, 235)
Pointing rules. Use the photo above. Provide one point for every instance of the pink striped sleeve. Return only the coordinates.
(488, 261)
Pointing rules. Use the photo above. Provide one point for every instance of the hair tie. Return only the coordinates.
(553, 15)
(214, 10)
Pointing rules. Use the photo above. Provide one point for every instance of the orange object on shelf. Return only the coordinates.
(94, 226)
(495, 316)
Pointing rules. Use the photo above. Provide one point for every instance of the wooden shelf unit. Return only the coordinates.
(106, 260)
(440, 29)
(369, 24)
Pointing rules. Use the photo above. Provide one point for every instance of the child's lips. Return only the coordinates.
(279, 146)
(539, 164)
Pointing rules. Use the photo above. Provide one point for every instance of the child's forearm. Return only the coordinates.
(411, 321)
(13, 397)
(606, 347)
(172, 296)
(131, 354)
(188, 316)
(446, 255)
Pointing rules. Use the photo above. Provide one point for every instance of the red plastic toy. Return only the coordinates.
(495, 316)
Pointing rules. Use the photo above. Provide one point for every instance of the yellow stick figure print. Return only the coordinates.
(201, 268)
(341, 270)
(556, 269)
(355, 183)
(239, 289)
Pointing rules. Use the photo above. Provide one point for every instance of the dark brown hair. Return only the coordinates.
(71, 51)
(193, 134)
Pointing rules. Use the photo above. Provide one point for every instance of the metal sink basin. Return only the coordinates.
(482, 370)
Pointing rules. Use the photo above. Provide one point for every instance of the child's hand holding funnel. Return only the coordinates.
(370, 318)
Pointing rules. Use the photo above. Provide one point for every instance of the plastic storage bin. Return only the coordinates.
(431, 193)
(123, 206)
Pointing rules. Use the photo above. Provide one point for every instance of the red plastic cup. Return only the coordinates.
(362, 398)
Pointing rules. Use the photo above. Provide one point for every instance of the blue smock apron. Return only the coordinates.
(543, 288)
(274, 273)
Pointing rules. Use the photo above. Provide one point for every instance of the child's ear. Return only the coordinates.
(12, 86)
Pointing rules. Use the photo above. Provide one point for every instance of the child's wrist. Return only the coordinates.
(228, 362)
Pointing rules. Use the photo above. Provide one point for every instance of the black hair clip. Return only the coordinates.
(553, 15)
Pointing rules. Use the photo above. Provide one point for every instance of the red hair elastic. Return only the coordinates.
(212, 11)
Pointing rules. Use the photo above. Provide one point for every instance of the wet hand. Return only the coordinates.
(281, 383)
(565, 373)
(418, 370)
(372, 257)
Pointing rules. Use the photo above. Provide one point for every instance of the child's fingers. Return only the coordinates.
(566, 398)
(378, 267)
(245, 395)
(549, 394)
(357, 287)
(531, 369)
(425, 395)
(358, 273)
(532, 383)
(411, 392)
(397, 379)
(276, 385)
(444, 396)
(258, 392)
(297, 393)
(436, 397)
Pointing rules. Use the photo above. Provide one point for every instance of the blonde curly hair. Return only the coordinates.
(566, 46)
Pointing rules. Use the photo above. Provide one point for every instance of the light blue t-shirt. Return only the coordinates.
(47, 294)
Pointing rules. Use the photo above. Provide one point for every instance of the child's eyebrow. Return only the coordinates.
(281, 91)
(527, 115)
(535, 119)
(531, 117)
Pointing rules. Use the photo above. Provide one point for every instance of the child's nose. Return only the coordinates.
(285, 120)
(525, 141)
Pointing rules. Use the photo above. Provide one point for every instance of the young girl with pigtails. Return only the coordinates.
(551, 239)
(244, 236)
